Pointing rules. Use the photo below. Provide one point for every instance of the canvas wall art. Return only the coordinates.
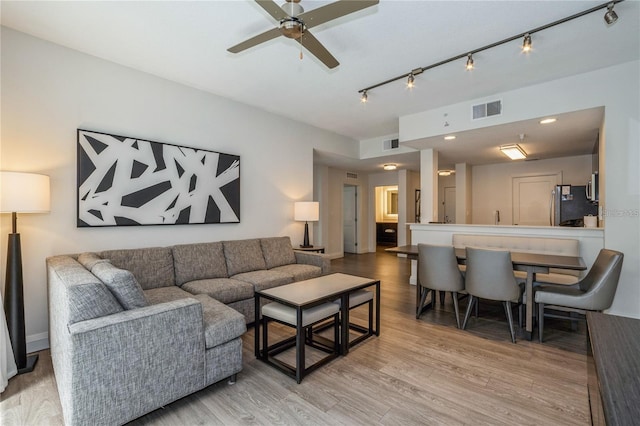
(125, 181)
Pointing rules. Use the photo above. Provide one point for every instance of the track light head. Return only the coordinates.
(469, 62)
(364, 97)
(526, 44)
(410, 81)
(610, 17)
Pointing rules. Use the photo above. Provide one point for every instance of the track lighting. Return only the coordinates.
(526, 44)
(410, 81)
(611, 16)
(469, 62)
(364, 98)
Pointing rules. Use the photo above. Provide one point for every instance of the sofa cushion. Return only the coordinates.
(221, 323)
(88, 260)
(199, 261)
(262, 280)
(122, 284)
(243, 256)
(226, 290)
(152, 267)
(300, 272)
(166, 294)
(277, 251)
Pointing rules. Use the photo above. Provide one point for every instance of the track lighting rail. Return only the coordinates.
(470, 53)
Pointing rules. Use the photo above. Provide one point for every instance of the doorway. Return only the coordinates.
(532, 199)
(449, 204)
(350, 218)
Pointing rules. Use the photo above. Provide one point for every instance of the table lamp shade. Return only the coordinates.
(306, 211)
(24, 193)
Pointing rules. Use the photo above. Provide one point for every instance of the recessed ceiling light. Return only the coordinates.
(449, 138)
(390, 167)
(548, 120)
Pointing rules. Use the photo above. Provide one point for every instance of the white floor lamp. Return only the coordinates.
(19, 193)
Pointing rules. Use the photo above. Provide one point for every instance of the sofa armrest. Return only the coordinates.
(130, 363)
(316, 259)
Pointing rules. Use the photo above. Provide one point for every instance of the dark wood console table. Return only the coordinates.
(614, 369)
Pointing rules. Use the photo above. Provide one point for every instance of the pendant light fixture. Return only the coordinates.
(610, 17)
(364, 98)
(410, 81)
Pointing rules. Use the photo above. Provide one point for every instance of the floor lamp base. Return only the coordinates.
(31, 363)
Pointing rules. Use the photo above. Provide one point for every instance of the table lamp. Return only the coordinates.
(19, 193)
(306, 211)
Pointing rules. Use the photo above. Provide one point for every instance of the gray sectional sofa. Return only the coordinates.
(133, 330)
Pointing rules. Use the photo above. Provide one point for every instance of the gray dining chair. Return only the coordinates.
(594, 292)
(438, 271)
(489, 275)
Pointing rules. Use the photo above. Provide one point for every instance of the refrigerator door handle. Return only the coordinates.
(588, 190)
(551, 207)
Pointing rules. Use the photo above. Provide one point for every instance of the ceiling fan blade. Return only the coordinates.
(272, 9)
(334, 10)
(253, 41)
(317, 49)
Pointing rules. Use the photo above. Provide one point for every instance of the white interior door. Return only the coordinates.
(349, 214)
(450, 204)
(532, 199)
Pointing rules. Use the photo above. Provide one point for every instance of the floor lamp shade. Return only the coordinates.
(20, 193)
(306, 211)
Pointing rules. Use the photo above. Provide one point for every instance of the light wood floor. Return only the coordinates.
(417, 372)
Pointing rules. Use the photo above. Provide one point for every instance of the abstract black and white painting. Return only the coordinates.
(127, 181)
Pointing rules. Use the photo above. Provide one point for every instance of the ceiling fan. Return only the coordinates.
(294, 23)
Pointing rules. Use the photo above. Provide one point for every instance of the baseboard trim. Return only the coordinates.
(37, 342)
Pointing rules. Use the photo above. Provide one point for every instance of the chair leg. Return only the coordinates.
(454, 295)
(442, 294)
(472, 300)
(507, 309)
(423, 297)
(520, 316)
(540, 321)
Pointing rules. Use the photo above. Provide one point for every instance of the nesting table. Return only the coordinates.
(306, 294)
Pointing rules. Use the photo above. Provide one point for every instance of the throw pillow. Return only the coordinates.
(122, 284)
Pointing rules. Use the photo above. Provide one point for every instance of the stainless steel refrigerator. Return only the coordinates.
(569, 205)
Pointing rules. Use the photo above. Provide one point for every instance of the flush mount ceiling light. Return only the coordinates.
(548, 120)
(449, 137)
(390, 166)
(610, 17)
(513, 151)
(445, 172)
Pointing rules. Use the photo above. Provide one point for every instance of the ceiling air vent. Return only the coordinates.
(486, 110)
(352, 175)
(390, 144)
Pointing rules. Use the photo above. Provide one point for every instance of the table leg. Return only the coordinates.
(529, 303)
(300, 349)
(256, 326)
(378, 308)
(344, 325)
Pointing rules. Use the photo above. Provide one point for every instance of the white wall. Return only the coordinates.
(49, 91)
(492, 186)
(616, 88)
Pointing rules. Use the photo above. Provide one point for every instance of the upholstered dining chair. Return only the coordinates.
(594, 292)
(438, 271)
(489, 275)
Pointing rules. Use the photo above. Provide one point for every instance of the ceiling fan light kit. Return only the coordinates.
(295, 23)
(610, 18)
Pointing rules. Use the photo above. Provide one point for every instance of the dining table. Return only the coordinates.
(531, 263)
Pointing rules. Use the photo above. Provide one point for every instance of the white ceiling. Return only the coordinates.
(186, 42)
